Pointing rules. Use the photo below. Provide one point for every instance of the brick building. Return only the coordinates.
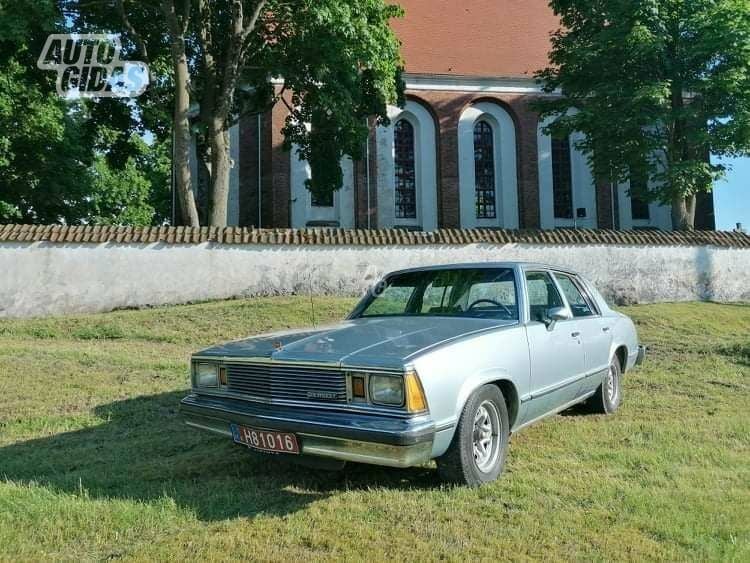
(466, 151)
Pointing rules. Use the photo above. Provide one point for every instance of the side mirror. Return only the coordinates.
(557, 314)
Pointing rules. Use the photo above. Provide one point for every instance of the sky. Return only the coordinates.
(732, 196)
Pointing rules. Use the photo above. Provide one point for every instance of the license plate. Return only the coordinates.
(265, 440)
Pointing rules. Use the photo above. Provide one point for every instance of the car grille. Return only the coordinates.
(287, 382)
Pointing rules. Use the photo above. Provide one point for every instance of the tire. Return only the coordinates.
(608, 396)
(462, 464)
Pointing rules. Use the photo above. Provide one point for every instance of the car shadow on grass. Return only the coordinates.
(144, 452)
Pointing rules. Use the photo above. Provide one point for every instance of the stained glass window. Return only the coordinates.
(484, 170)
(406, 183)
(562, 178)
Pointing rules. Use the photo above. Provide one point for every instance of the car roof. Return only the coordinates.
(487, 265)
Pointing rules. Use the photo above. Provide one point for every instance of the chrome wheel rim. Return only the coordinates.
(486, 443)
(611, 385)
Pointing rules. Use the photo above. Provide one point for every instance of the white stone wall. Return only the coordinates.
(51, 279)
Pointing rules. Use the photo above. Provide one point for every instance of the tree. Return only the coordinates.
(333, 62)
(135, 193)
(68, 161)
(657, 86)
(43, 159)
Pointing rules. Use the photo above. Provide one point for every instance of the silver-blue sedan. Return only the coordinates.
(441, 363)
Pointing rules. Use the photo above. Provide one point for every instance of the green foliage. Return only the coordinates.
(341, 60)
(656, 85)
(43, 154)
(340, 64)
(43, 161)
(135, 194)
(68, 161)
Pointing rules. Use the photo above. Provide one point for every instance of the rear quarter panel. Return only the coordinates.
(624, 334)
(451, 373)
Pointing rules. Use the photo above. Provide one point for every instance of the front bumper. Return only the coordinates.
(641, 355)
(363, 438)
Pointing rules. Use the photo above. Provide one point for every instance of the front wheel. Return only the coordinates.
(480, 445)
(608, 396)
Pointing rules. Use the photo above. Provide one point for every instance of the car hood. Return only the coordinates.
(371, 342)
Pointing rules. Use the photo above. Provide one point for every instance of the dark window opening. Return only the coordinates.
(639, 208)
(562, 178)
(484, 170)
(406, 182)
(321, 200)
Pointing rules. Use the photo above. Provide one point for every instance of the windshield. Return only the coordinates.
(461, 292)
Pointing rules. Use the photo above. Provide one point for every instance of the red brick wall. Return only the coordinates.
(605, 207)
(447, 108)
(508, 38)
(360, 184)
(277, 191)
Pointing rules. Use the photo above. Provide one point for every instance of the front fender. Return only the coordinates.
(450, 374)
(474, 382)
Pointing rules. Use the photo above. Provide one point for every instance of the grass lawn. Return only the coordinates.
(95, 463)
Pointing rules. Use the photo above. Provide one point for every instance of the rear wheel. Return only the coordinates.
(480, 445)
(608, 396)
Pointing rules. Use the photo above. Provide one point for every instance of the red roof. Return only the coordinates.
(490, 38)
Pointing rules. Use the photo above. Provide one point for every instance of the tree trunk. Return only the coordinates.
(683, 213)
(181, 124)
(222, 76)
(182, 142)
(220, 171)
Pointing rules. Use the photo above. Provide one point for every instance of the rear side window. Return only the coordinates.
(543, 295)
(578, 304)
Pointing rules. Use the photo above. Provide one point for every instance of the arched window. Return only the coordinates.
(562, 178)
(484, 170)
(406, 180)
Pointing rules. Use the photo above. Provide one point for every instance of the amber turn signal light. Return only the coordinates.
(416, 401)
(222, 376)
(358, 387)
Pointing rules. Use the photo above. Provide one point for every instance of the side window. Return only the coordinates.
(575, 298)
(543, 295)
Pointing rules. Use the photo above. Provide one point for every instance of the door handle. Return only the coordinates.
(605, 329)
(575, 334)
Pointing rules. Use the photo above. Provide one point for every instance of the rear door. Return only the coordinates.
(595, 330)
(555, 352)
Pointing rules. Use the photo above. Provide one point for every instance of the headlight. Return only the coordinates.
(206, 375)
(387, 390)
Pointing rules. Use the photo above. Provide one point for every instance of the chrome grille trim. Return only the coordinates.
(271, 381)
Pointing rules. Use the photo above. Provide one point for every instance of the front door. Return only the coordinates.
(556, 352)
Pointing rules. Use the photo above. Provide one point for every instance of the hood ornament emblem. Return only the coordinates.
(278, 345)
